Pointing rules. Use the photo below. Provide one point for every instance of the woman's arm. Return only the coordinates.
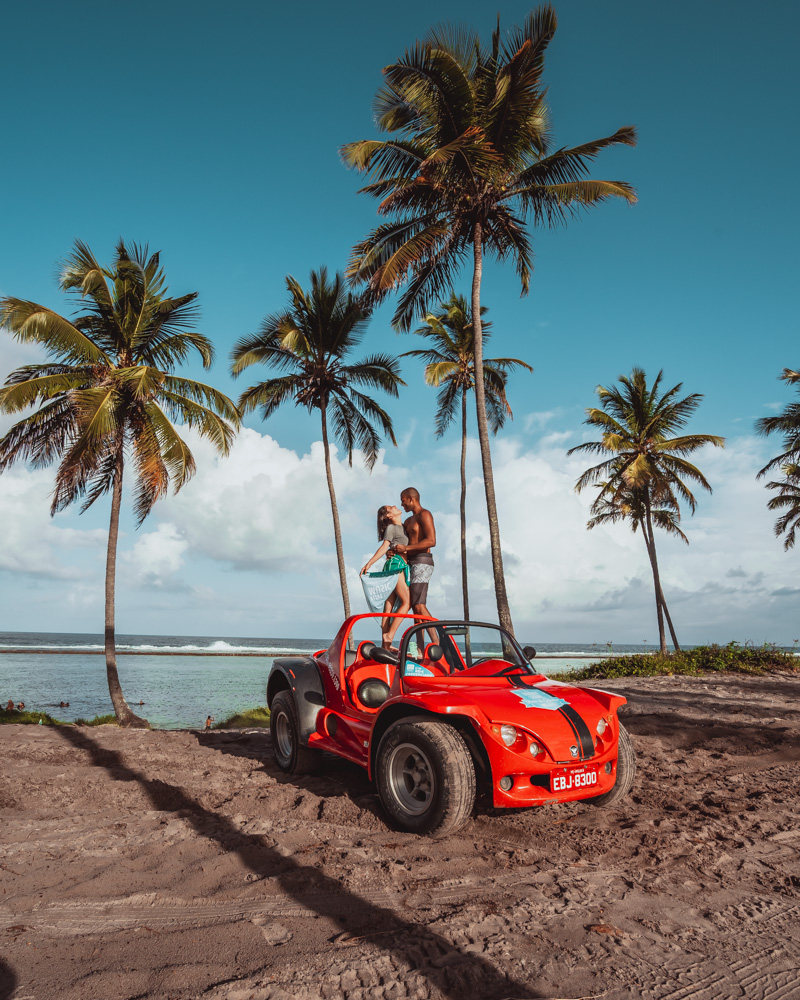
(380, 551)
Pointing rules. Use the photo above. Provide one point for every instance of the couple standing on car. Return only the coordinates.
(407, 547)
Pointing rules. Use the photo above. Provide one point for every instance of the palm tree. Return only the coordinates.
(107, 394)
(471, 160)
(645, 467)
(786, 422)
(450, 363)
(625, 503)
(310, 341)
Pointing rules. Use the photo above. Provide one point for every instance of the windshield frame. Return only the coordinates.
(524, 665)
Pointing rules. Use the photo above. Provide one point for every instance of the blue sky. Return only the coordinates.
(212, 133)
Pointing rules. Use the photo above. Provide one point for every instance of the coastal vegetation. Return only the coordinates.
(27, 718)
(787, 489)
(255, 717)
(450, 367)
(107, 397)
(732, 658)
(469, 161)
(98, 720)
(644, 473)
(310, 342)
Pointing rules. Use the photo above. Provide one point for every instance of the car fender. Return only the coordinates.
(301, 676)
(465, 717)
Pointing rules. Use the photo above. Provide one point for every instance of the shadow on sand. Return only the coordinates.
(8, 981)
(456, 974)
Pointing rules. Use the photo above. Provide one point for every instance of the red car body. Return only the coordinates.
(564, 738)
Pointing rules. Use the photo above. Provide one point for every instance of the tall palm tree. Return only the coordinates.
(107, 393)
(787, 422)
(643, 459)
(450, 363)
(472, 159)
(310, 342)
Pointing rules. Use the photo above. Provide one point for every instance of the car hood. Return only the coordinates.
(562, 716)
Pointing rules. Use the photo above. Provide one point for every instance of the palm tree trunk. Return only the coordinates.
(650, 543)
(651, 552)
(464, 584)
(125, 717)
(503, 611)
(669, 620)
(337, 532)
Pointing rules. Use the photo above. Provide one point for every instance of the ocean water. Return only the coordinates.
(180, 679)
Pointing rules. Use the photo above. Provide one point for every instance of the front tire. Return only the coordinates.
(425, 777)
(626, 772)
(290, 755)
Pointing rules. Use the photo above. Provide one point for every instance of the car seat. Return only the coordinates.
(369, 682)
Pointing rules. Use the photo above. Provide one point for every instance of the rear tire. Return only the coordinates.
(626, 772)
(425, 777)
(290, 755)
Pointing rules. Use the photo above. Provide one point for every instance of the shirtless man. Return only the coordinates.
(421, 539)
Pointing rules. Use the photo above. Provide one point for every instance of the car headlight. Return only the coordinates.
(602, 725)
(535, 749)
(508, 735)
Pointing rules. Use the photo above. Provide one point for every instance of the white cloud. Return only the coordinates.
(156, 556)
(264, 506)
(33, 543)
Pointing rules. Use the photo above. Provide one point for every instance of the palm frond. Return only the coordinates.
(41, 437)
(208, 423)
(447, 403)
(152, 474)
(206, 394)
(20, 395)
(32, 323)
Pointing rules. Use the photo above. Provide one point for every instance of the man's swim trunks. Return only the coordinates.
(421, 564)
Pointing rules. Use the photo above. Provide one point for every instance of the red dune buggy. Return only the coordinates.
(459, 711)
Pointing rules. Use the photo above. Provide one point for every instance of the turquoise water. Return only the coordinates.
(178, 690)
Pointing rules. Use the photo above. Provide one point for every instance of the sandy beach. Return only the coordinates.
(172, 864)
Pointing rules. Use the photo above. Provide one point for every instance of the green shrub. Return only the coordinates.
(255, 717)
(29, 718)
(700, 660)
(98, 720)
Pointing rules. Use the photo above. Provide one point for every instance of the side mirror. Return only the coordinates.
(434, 652)
(529, 652)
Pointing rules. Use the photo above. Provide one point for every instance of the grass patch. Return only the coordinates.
(255, 717)
(694, 662)
(98, 720)
(29, 718)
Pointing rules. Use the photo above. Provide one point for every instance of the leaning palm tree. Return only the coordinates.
(107, 394)
(643, 458)
(787, 423)
(450, 363)
(471, 160)
(621, 502)
(310, 342)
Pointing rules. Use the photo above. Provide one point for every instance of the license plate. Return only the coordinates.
(567, 779)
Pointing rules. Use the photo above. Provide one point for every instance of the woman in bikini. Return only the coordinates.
(390, 532)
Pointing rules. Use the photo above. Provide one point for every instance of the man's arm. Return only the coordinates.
(427, 535)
